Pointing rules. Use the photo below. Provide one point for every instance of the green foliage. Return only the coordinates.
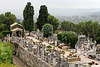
(3, 27)
(7, 65)
(68, 37)
(53, 21)
(7, 19)
(63, 52)
(49, 47)
(48, 50)
(4, 33)
(28, 17)
(43, 17)
(23, 32)
(6, 52)
(86, 28)
(67, 26)
(59, 36)
(47, 30)
(1, 36)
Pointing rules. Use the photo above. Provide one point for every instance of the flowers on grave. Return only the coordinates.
(96, 63)
(27, 46)
(49, 47)
(72, 52)
(93, 62)
(89, 64)
(48, 50)
(60, 47)
(63, 52)
(75, 55)
(47, 53)
(33, 42)
(90, 56)
(34, 50)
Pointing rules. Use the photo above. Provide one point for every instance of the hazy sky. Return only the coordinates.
(20, 4)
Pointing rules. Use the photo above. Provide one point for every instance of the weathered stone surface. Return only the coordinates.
(31, 59)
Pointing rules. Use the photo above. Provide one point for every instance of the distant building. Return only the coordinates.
(16, 29)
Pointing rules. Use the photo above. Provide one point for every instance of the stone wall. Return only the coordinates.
(31, 59)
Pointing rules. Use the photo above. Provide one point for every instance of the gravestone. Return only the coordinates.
(76, 65)
(67, 64)
(38, 50)
(54, 60)
(43, 52)
(62, 62)
(50, 59)
(58, 60)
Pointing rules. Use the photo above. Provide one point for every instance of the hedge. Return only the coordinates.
(4, 33)
(1, 36)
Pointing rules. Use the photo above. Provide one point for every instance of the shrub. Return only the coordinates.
(1, 36)
(47, 30)
(48, 50)
(4, 33)
(49, 47)
(63, 52)
(6, 52)
(68, 37)
(7, 65)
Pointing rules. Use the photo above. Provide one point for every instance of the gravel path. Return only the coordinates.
(18, 62)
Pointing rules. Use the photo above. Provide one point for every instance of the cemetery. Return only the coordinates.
(45, 52)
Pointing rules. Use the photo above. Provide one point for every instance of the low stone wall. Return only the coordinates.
(31, 59)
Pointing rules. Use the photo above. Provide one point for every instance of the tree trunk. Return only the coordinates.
(29, 33)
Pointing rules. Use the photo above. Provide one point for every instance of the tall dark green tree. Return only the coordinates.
(43, 17)
(28, 17)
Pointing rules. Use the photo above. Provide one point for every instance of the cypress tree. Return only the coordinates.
(28, 17)
(43, 17)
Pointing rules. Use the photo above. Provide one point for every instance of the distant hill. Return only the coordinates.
(57, 12)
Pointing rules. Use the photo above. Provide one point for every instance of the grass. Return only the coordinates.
(7, 65)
